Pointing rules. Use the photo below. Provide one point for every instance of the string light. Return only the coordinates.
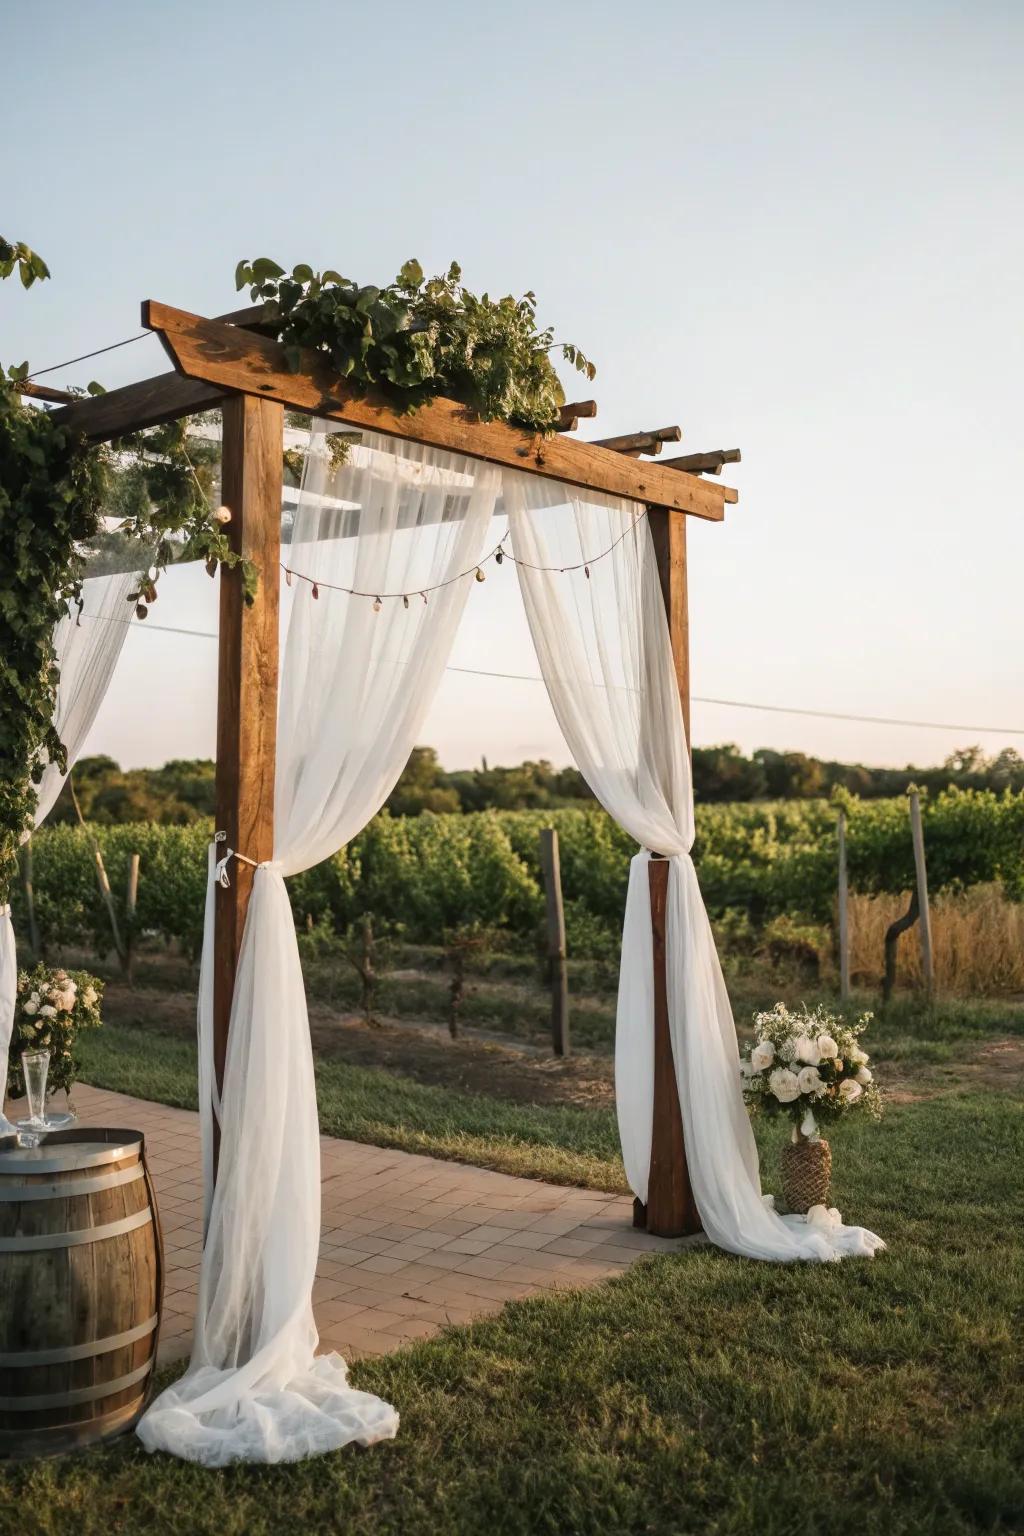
(498, 554)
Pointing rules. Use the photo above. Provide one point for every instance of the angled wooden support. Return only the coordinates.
(247, 679)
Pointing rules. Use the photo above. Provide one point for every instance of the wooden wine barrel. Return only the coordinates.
(81, 1282)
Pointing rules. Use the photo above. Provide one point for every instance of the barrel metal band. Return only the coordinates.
(79, 1351)
(72, 1239)
(26, 1194)
(77, 1394)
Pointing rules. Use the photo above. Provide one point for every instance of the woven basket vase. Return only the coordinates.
(806, 1174)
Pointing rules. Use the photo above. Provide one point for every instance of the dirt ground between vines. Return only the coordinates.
(475, 1063)
(498, 1067)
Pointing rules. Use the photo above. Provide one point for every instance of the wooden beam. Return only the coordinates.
(45, 392)
(136, 406)
(704, 463)
(233, 359)
(150, 402)
(571, 413)
(668, 535)
(641, 442)
(671, 1209)
(253, 444)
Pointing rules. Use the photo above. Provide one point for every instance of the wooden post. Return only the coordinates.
(35, 943)
(844, 916)
(131, 899)
(253, 442)
(671, 1210)
(558, 975)
(917, 831)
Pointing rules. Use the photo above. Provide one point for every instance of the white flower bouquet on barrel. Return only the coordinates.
(811, 1067)
(53, 1006)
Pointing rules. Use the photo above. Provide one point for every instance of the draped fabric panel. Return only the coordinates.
(87, 643)
(603, 644)
(355, 685)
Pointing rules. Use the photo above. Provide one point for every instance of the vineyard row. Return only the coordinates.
(427, 873)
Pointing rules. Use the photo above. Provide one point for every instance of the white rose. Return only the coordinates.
(31, 1006)
(807, 1050)
(35, 999)
(865, 1076)
(762, 1055)
(222, 515)
(67, 1001)
(47, 1012)
(858, 1056)
(828, 1050)
(91, 997)
(784, 1085)
(850, 1090)
(810, 1081)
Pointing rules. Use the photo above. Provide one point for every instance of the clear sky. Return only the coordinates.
(793, 227)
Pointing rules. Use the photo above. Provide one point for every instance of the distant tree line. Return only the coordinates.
(182, 791)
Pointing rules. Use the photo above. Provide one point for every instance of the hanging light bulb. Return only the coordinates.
(288, 577)
(376, 605)
(316, 590)
(586, 571)
(480, 575)
(498, 555)
(405, 602)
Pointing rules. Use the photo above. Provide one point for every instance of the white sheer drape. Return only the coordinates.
(603, 645)
(355, 685)
(87, 643)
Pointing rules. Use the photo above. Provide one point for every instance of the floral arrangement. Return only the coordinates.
(810, 1066)
(52, 1006)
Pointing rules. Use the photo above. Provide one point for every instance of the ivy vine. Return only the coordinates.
(55, 491)
(419, 338)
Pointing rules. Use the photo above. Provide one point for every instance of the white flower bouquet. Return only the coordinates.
(809, 1066)
(51, 1008)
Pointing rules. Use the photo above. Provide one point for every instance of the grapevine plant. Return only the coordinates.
(54, 490)
(418, 338)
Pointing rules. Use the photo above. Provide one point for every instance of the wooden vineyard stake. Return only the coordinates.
(671, 1209)
(131, 899)
(921, 872)
(844, 916)
(558, 976)
(247, 679)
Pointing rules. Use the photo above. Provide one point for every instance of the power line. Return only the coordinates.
(774, 709)
(55, 367)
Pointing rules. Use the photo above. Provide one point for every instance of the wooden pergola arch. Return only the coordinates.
(229, 363)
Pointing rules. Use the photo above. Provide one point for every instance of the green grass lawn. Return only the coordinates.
(557, 1142)
(699, 1393)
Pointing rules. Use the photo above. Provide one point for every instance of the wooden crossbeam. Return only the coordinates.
(641, 442)
(231, 359)
(569, 417)
(45, 392)
(704, 463)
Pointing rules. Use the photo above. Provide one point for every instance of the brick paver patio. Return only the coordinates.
(408, 1243)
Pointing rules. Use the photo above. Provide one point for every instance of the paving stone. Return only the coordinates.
(410, 1244)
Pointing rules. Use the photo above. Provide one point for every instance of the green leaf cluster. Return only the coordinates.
(419, 338)
(54, 491)
(30, 266)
